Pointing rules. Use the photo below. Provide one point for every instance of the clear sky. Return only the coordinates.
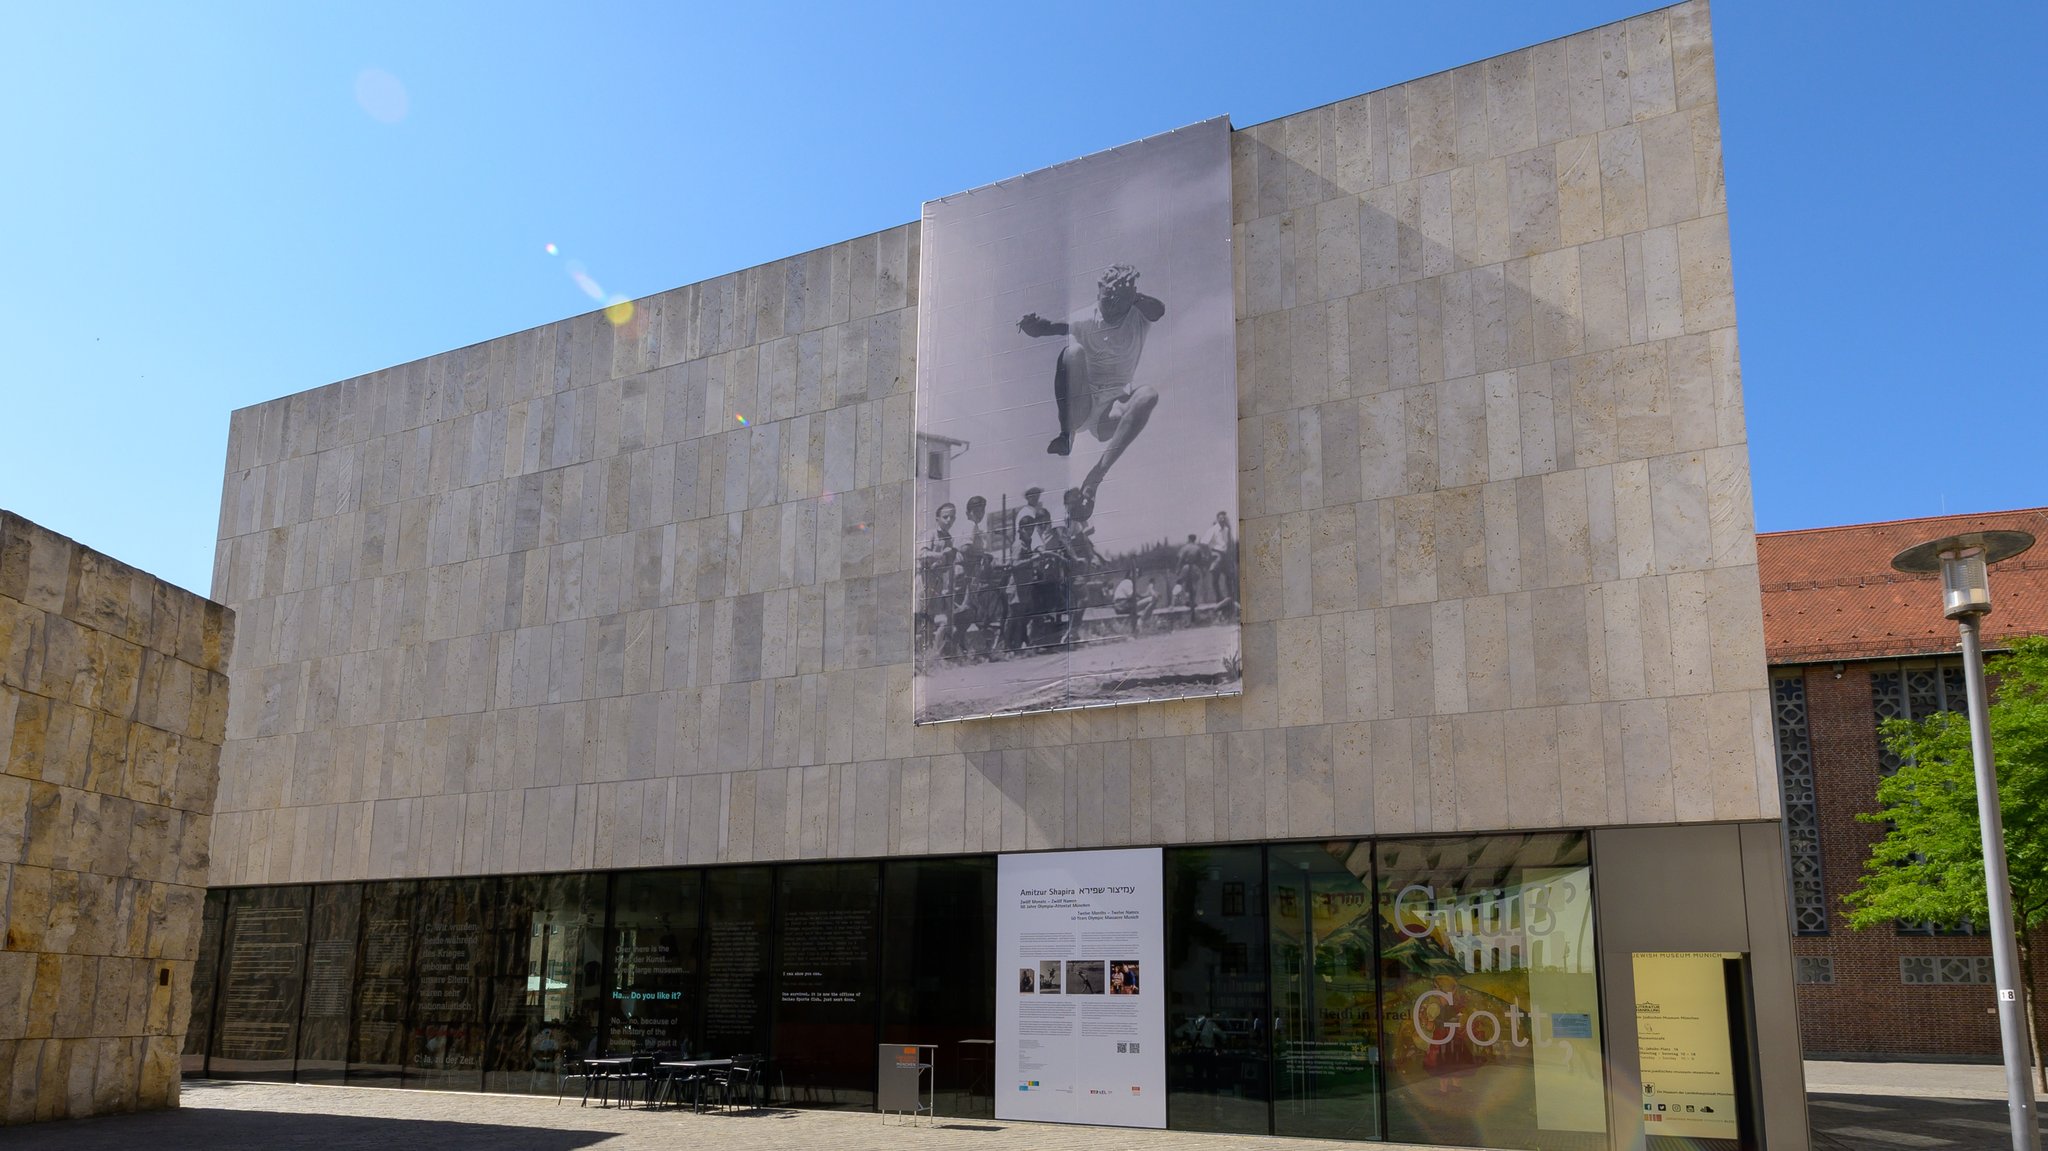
(209, 205)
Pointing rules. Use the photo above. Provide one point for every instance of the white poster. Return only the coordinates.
(1080, 995)
(1077, 436)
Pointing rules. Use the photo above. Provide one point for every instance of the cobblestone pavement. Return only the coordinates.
(1851, 1106)
(216, 1116)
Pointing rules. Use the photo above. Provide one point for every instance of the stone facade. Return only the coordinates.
(548, 603)
(113, 706)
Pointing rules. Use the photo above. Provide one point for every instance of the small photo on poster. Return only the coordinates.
(1027, 980)
(1049, 977)
(1123, 977)
(1084, 976)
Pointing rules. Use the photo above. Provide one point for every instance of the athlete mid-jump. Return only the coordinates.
(1092, 382)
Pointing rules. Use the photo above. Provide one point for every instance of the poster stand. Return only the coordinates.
(906, 1080)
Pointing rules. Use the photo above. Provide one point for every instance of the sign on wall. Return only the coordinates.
(1076, 538)
(1683, 1040)
(1080, 973)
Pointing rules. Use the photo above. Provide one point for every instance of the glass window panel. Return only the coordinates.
(1218, 1059)
(384, 985)
(1491, 995)
(1325, 991)
(938, 969)
(450, 962)
(653, 998)
(256, 1021)
(738, 907)
(545, 953)
(330, 982)
(205, 972)
(826, 1007)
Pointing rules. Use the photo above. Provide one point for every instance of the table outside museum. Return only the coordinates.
(978, 1067)
(695, 1068)
(604, 1070)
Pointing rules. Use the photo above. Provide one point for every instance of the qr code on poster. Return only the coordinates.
(1123, 1049)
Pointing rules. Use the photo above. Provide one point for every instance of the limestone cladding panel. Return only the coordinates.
(113, 706)
(596, 596)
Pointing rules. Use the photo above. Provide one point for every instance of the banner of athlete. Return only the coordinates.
(1077, 527)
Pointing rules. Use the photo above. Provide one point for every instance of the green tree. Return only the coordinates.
(1930, 863)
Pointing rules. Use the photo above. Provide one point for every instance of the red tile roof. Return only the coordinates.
(1830, 594)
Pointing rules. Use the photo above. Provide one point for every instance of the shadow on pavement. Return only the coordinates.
(210, 1128)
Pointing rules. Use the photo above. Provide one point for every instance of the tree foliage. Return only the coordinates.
(1930, 863)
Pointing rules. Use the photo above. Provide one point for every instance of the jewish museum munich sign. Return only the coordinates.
(1076, 540)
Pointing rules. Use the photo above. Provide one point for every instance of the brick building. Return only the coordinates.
(1850, 641)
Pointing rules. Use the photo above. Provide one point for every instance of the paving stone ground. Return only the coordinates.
(216, 1116)
(1851, 1106)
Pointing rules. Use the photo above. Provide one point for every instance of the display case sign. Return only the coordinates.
(1684, 1045)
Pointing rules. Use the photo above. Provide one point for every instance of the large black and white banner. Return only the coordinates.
(1080, 1003)
(1077, 436)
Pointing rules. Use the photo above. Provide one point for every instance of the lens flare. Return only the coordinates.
(742, 419)
(617, 309)
(590, 287)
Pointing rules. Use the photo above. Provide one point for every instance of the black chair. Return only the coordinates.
(571, 1067)
(740, 1081)
(637, 1076)
(669, 1083)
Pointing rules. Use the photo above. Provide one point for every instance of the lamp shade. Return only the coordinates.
(1965, 583)
(1962, 561)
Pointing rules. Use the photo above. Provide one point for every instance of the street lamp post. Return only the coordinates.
(1966, 598)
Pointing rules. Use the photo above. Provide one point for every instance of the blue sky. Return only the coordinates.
(209, 205)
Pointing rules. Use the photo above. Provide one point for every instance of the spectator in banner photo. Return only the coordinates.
(1193, 561)
(977, 536)
(1094, 379)
(936, 558)
(1034, 520)
(1127, 602)
(1221, 544)
(1078, 532)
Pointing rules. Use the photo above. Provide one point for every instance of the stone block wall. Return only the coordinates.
(598, 595)
(113, 706)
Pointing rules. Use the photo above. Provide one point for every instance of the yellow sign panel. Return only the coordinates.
(1688, 1069)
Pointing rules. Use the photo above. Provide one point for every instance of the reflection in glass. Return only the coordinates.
(544, 985)
(825, 1003)
(384, 984)
(1492, 999)
(739, 905)
(205, 972)
(938, 963)
(653, 1000)
(1326, 1040)
(1218, 1065)
(450, 963)
(330, 977)
(256, 1019)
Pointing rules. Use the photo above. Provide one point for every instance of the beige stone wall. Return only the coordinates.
(545, 603)
(113, 706)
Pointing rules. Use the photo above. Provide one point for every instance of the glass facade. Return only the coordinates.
(1426, 991)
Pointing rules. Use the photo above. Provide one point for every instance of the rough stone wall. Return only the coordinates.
(113, 705)
(546, 603)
